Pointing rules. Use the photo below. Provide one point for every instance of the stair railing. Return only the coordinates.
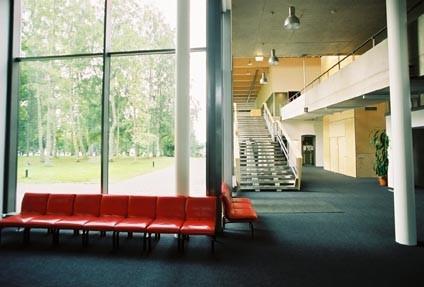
(236, 146)
(278, 133)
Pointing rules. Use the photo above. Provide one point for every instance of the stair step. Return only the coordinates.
(267, 188)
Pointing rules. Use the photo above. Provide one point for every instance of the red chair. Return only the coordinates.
(226, 191)
(200, 218)
(58, 206)
(141, 212)
(86, 208)
(33, 204)
(113, 209)
(236, 212)
(170, 215)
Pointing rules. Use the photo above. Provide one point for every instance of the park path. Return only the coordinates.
(160, 182)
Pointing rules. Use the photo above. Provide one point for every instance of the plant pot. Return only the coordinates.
(382, 180)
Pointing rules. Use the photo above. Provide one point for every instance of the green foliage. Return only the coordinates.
(66, 170)
(380, 141)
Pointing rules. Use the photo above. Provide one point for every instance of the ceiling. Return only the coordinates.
(246, 75)
(328, 27)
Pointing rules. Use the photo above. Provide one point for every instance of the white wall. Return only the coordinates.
(289, 76)
(417, 120)
(4, 36)
(297, 128)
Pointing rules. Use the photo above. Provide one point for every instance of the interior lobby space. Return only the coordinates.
(211, 143)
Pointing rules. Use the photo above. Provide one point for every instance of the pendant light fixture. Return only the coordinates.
(273, 60)
(292, 22)
(263, 80)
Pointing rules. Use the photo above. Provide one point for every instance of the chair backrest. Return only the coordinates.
(60, 204)
(226, 193)
(201, 208)
(226, 204)
(34, 203)
(142, 206)
(87, 204)
(170, 207)
(114, 205)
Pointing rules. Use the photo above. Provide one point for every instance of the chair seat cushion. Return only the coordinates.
(246, 214)
(73, 222)
(198, 227)
(43, 221)
(241, 205)
(133, 224)
(165, 226)
(15, 221)
(241, 199)
(103, 223)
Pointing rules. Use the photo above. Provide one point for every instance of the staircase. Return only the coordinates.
(263, 165)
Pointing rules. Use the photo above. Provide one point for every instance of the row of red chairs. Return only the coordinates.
(117, 213)
(237, 209)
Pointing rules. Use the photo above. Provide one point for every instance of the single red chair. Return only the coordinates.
(141, 212)
(86, 208)
(226, 191)
(170, 215)
(33, 204)
(200, 218)
(113, 209)
(236, 212)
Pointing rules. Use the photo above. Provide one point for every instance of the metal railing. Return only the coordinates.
(287, 146)
(372, 40)
(326, 74)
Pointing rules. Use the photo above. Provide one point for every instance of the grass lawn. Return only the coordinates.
(68, 170)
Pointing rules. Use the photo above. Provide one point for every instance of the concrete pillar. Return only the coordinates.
(400, 95)
(227, 104)
(182, 108)
(4, 53)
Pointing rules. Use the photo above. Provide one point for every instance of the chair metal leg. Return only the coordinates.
(85, 236)
(213, 244)
(144, 241)
(55, 236)
(251, 229)
(26, 235)
(150, 243)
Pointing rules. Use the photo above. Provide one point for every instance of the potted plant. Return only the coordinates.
(380, 141)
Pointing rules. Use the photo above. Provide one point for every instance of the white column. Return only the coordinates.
(182, 108)
(400, 95)
(4, 48)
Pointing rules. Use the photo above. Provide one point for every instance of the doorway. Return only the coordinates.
(418, 151)
(308, 150)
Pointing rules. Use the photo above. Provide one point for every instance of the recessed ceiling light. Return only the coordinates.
(259, 58)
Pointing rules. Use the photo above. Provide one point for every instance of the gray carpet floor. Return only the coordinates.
(354, 247)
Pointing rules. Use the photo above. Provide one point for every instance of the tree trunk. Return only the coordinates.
(112, 149)
(40, 127)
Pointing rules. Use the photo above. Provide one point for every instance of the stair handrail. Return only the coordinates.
(278, 132)
(236, 147)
